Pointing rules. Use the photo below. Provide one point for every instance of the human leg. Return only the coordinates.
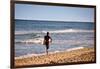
(47, 47)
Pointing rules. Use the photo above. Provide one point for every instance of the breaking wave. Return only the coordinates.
(31, 41)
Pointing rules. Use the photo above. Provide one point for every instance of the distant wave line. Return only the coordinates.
(53, 31)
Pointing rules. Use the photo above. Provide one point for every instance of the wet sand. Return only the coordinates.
(74, 56)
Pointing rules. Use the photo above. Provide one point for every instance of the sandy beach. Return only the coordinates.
(78, 55)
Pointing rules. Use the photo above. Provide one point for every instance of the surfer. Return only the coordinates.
(47, 40)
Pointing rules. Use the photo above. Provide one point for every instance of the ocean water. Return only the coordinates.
(29, 36)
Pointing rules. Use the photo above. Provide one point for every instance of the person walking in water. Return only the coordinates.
(47, 40)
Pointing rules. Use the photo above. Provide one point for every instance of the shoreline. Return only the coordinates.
(30, 55)
(75, 55)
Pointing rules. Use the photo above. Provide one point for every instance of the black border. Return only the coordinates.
(12, 29)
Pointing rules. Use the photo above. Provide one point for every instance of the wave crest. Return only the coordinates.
(68, 31)
(53, 31)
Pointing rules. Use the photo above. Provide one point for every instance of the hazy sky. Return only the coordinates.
(54, 13)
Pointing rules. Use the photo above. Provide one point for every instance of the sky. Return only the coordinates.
(53, 13)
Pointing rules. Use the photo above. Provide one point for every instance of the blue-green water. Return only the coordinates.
(29, 36)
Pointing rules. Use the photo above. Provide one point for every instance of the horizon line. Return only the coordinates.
(54, 20)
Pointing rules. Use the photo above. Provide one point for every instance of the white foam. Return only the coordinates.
(36, 41)
(76, 48)
(67, 31)
(32, 41)
(53, 31)
(30, 55)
